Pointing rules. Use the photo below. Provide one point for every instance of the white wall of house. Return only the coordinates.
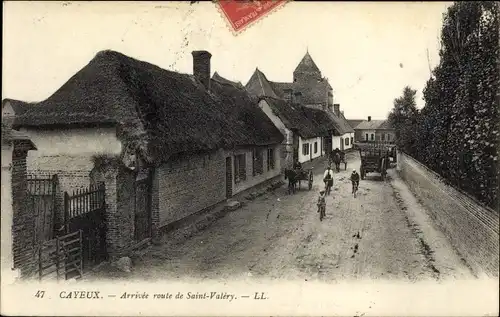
(68, 153)
(287, 148)
(313, 151)
(335, 142)
(7, 215)
(350, 138)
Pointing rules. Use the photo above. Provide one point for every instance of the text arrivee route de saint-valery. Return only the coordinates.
(144, 295)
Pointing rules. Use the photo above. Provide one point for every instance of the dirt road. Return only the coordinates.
(383, 233)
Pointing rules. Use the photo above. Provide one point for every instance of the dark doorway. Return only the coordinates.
(142, 219)
(229, 178)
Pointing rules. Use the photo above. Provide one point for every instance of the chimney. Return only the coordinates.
(369, 118)
(298, 97)
(336, 108)
(201, 67)
(288, 94)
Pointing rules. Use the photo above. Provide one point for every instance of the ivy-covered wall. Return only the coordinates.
(456, 133)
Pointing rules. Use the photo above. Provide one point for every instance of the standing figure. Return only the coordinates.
(328, 179)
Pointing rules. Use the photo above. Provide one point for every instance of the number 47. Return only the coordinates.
(40, 294)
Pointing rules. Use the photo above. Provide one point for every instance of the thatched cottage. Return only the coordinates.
(310, 89)
(305, 129)
(165, 144)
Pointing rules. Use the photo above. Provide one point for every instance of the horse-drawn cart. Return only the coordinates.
(337, 157)
(298, 175)
(374, 158)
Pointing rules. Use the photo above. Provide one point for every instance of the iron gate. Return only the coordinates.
(85, 211)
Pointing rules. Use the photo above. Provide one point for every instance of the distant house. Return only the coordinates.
(165, 144)
(374, 130)
(309, 89)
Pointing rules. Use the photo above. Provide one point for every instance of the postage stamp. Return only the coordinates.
(241, 14)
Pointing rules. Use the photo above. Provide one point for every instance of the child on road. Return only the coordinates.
(321, 200)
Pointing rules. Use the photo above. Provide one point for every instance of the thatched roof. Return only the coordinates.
(308, 123)
(243, 110)
(341, 122)
(324, 122)
(171, 111)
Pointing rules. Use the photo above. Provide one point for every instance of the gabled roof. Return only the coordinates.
(258, 85)
(221, 79)
(174, 110)
(370, 125)
(296, 117)
(307, 65)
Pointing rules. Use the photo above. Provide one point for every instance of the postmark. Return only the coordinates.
(241, 14)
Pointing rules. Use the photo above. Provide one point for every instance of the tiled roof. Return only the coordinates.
(354, 122)
(370, 125)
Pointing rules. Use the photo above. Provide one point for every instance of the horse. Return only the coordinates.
(291, 175)
(337, 159)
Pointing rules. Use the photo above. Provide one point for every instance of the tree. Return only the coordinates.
(403, 117)
(459, 125)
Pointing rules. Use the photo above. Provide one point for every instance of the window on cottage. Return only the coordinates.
(352, 140)
(240, 170)
(346, 141)
(315, 147)
(366, 137)
(383, 136)
(372, 137)
(258, 164)
(305, 149)
(270, 159)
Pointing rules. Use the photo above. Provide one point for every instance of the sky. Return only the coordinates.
(369, 51)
